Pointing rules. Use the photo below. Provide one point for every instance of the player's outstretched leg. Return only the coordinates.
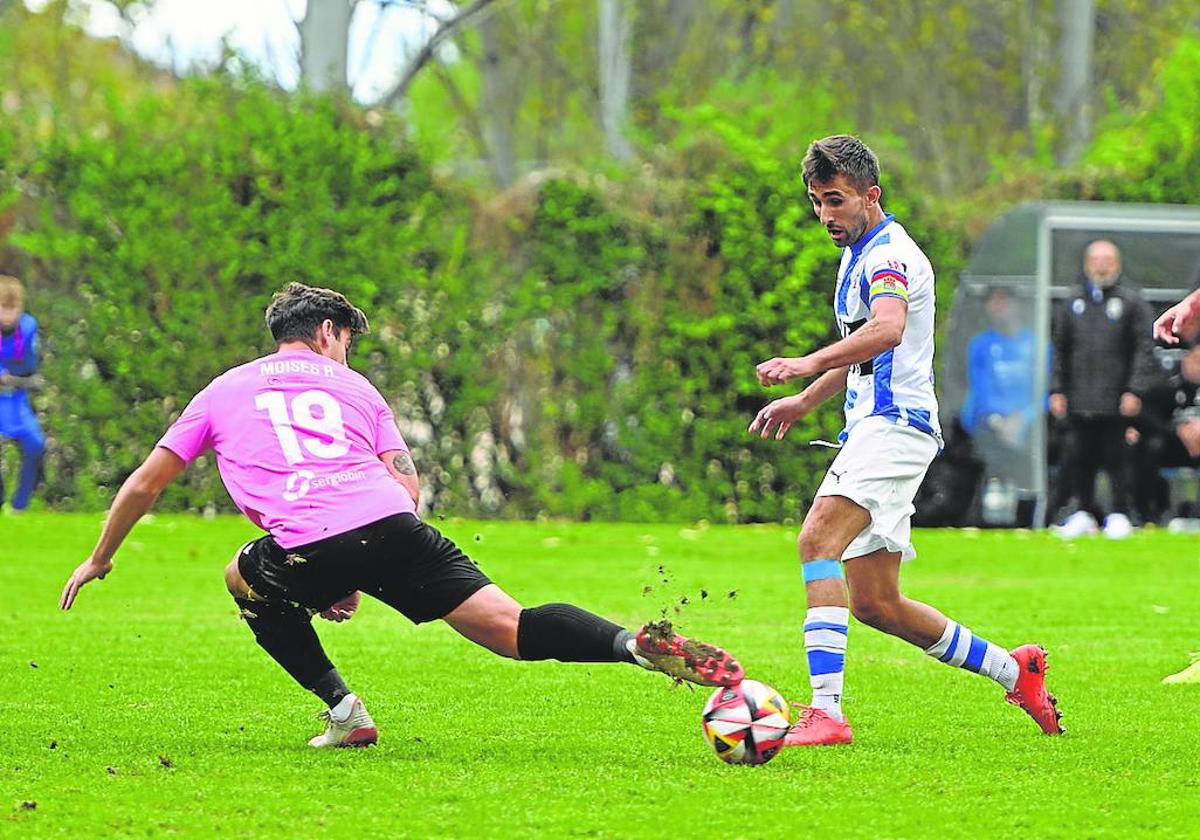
(284, 630)
(564, 632)
(876, 600)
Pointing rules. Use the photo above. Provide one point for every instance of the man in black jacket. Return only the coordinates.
(1102, 363)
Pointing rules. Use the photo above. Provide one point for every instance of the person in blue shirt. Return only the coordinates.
(18, 374)
(1000, 405)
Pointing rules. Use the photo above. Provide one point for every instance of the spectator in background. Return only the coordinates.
(1000, 405)
(1102, 362)
(18, 375)
(1170, 430)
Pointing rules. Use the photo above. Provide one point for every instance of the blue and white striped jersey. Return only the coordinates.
(897, 384)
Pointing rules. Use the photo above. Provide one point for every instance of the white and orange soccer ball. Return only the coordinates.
(746, 723)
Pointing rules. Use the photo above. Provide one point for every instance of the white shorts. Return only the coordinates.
(880, 468)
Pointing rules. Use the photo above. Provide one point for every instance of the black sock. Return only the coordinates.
(286, 633)
(569, 634)
(330, 688)
(621, 646)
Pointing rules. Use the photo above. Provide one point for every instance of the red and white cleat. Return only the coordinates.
(659, 648)
(357, 730)
(816, 728)
(1030, 692)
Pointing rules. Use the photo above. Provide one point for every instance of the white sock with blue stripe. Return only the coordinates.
(963, 649)
(825, 633)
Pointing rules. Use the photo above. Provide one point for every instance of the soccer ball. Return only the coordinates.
(746, 723)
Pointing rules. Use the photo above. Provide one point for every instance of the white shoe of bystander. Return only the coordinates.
(1078, 524)
(1117, 526)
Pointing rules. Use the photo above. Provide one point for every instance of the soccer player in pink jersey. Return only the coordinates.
(309, 451)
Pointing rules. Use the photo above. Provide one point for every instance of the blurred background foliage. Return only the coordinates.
(565, 320)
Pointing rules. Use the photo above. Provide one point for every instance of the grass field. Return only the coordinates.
(148, 710)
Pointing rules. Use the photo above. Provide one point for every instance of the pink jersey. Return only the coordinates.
(297, 438)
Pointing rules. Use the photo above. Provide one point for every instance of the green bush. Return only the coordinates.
(154, 250)
(636, 332)
(1152, 154)
(579, 348)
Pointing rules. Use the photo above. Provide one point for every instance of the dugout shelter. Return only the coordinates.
(1027, 262)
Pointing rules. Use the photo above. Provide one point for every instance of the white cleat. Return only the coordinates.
(1078, 524)
(1190, 674)
(357, 730)
(1117, 526)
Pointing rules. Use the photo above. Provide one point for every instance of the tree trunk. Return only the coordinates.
(497, 106)
(324, 36)
(1074, 101)
(1033, 68)
(615, 76)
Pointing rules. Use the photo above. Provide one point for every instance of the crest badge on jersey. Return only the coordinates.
(1114, 308)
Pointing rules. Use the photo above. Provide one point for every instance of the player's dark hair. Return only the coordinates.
(841, 154)
(297, 312)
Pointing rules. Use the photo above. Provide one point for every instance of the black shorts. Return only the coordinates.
(400, 560)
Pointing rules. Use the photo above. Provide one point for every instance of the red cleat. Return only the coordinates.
(817, 729)
(659, 648)
(1030, 692)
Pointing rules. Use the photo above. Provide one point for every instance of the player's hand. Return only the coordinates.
(1179, 320)
(1058, 405)
(344, 609)
(87, 571)
(778, 415)
(1164, 327)
(781, 369)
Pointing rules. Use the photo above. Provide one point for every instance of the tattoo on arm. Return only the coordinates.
(404, 464)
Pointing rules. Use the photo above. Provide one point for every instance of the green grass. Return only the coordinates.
(153, 668)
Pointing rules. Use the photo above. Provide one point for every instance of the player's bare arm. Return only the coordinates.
(779, 415)
(400, 465)
(1181, 320)
(883, 331)
(136, 496)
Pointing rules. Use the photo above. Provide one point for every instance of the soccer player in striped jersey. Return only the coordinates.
(858, 530)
